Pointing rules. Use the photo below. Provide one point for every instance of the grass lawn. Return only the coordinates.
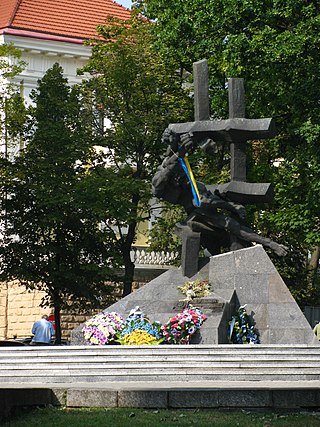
(119, 417)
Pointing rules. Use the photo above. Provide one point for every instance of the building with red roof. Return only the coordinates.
(49, 31)
(60, 20)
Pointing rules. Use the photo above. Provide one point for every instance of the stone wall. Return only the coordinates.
(69, 321)
(19, 309)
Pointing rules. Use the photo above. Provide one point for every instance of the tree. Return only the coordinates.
(53, 198)
(274, 46)
(12, 110)
(139, 93)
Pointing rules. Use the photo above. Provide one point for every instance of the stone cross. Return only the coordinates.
(237, 110)
(236, 130)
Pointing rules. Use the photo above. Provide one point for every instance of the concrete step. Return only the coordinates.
(199, 376)
(163, 349)
(112, 363)
(159, 363)
(136, 354)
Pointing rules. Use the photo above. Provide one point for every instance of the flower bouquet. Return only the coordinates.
(138, 330)
(180, 328)
(241, 328)
(199, 288)
(102, 328)
(110, 328)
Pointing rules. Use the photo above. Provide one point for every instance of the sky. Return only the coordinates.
(125, 3)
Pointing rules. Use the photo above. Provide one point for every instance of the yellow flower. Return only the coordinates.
(138, 337)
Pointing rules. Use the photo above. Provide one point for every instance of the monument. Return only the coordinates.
(243, 274)
(204, 225)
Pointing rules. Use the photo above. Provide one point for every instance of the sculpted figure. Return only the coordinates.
(220, 221)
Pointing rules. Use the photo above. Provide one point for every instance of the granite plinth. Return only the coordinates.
(160, 299)
(256, 282)
(246, 276)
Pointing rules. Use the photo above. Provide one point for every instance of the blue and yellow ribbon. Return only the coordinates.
(184, 162)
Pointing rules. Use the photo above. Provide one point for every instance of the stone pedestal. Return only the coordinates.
(251, 274)
(160, 299)
(246, 276)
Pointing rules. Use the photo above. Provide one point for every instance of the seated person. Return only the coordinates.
(43, 331)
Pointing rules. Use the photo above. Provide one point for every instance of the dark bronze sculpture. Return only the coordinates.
(205, 223)
(218, 230)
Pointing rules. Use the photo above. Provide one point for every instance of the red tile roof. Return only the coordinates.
(67, 18)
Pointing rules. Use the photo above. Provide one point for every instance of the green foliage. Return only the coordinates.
(10, 61)
(136, 90)
(139, 93)
(161, 235)
(53, 198)
(13, 114)
(298, 186)
(274, 46)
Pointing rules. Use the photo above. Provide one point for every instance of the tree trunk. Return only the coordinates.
(313, 264)
(128, 274)
(58, 324)
(128, 264)
(126, 249)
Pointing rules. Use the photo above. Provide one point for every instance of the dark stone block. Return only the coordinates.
(189, 399)
(190, 251)
(142, 399)
(290, 399)
(78, 398)
(245, 398)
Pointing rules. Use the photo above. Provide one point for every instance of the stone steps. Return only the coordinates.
(196, 376)
(190, 364)
(162, 363)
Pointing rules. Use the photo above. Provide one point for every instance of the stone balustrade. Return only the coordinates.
(142, 256)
